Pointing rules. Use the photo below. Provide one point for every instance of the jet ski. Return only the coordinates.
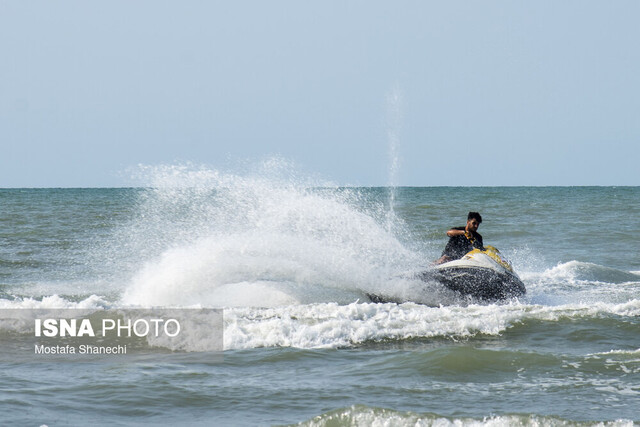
(481, 274)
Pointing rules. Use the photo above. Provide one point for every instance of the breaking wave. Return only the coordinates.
(360, 415)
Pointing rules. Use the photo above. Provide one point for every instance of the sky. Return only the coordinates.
(360, 92)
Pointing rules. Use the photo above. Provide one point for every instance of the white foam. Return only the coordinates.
(622, 352)
(53, 302)
(331, 325)
(359, 415)
(578, 273)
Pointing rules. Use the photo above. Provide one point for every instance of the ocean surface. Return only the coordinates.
(290, 263)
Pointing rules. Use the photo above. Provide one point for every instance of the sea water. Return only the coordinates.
(290, 262)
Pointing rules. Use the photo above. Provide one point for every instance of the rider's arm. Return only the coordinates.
(454, 232)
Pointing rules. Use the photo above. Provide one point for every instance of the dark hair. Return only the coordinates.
(475, 215)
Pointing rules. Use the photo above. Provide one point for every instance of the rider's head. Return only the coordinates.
(473, 221)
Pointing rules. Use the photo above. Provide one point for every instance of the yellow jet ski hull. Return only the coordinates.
(482, 274)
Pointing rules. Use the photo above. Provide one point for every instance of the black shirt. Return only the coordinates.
(458, 246)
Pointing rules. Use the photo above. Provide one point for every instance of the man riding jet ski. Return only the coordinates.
(469, 268)
(463, 239)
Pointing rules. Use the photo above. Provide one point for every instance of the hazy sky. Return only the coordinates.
(464, 92)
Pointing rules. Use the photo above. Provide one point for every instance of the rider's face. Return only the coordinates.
(473, 224)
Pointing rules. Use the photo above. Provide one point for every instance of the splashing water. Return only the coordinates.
(263, 239)
(394, 124)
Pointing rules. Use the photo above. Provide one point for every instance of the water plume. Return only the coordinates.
(394, 125)
(268, 238)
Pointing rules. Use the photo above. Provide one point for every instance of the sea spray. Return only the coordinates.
(394, 126)
(222, 239)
